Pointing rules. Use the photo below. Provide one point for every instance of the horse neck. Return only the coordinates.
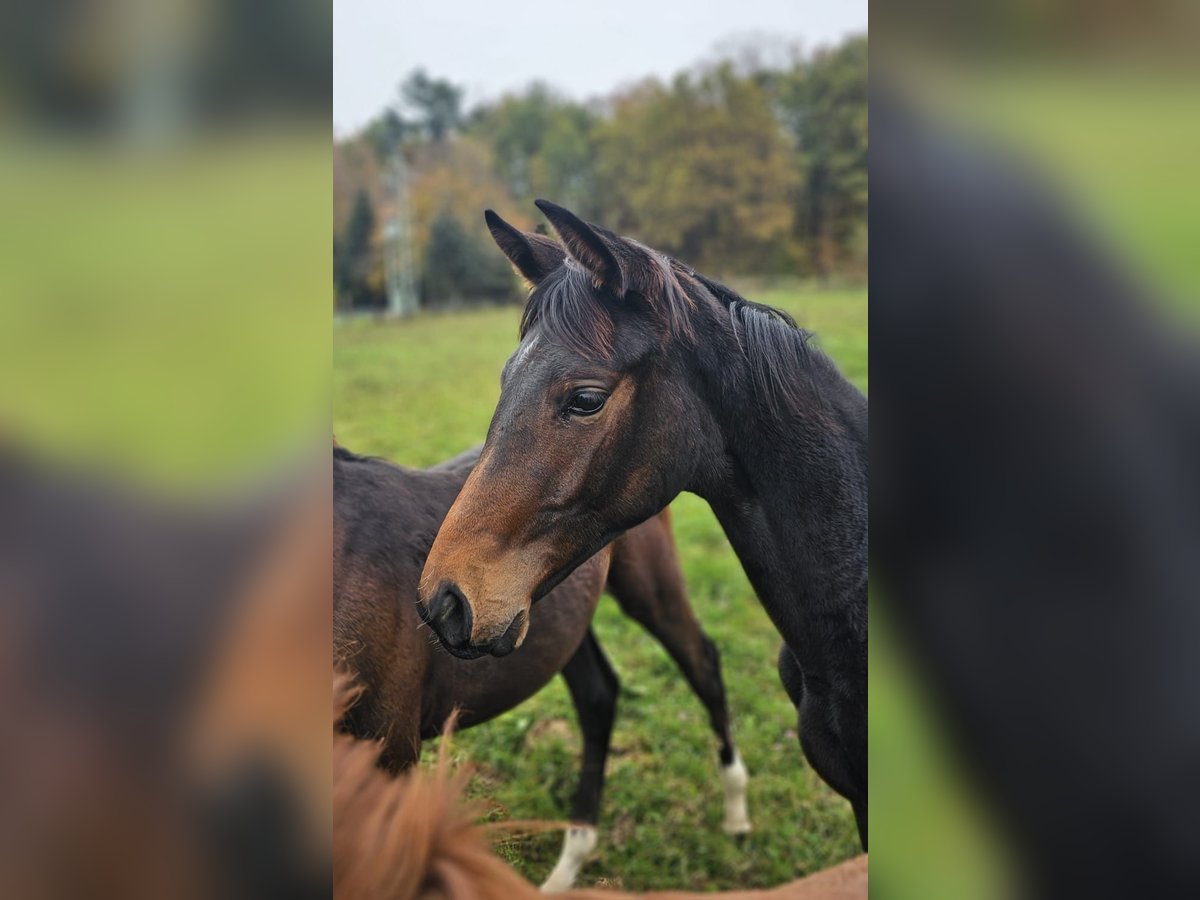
(791, 492)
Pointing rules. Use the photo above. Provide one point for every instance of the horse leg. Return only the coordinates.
(594, 688)
(833, 735)
(647, 582)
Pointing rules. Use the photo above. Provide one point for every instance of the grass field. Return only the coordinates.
(418, 391)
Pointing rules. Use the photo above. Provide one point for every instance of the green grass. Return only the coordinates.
(419, 391)
(165, 316)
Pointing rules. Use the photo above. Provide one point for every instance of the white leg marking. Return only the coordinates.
(578, 844)
(734, 779)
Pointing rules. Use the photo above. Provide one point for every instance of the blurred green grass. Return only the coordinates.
(420, 390)
(1119, 142)
(165, 315)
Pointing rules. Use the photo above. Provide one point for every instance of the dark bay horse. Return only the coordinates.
(635, 379)
(385, 520)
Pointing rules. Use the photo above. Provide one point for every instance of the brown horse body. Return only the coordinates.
(385, 520)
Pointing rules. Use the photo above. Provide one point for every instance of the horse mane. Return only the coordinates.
(779, 353)
(343, 454)
(571, 310)
(415, 836)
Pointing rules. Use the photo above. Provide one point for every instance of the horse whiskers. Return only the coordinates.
(437, 645)
(346, 692)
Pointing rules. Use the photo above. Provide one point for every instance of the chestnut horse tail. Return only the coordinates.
(408, 837)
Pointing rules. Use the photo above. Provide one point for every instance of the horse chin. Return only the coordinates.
(506, 643)
(465, 652)
(513, 637)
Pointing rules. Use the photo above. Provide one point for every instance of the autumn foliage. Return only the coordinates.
(736, 167)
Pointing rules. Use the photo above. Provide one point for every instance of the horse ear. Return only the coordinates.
(533, 255)
(589, 248)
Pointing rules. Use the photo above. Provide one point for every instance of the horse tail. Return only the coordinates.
(408, 836)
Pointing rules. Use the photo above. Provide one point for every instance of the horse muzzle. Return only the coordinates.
(450, 617)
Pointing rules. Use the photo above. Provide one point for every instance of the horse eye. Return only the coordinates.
(586, 403)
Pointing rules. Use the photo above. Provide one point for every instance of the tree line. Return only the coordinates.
(736, 166)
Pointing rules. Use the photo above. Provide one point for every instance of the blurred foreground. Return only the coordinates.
(1035, 498)
(165, 674)
(164, 356)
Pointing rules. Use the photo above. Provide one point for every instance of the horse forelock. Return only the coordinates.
(567, 310)
(571, 309)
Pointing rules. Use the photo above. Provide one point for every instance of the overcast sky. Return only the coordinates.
(584, 48)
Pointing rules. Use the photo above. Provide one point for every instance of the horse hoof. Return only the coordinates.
(737, 828)
(578, 844)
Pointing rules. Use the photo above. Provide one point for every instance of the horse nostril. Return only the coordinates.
(450, 616)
